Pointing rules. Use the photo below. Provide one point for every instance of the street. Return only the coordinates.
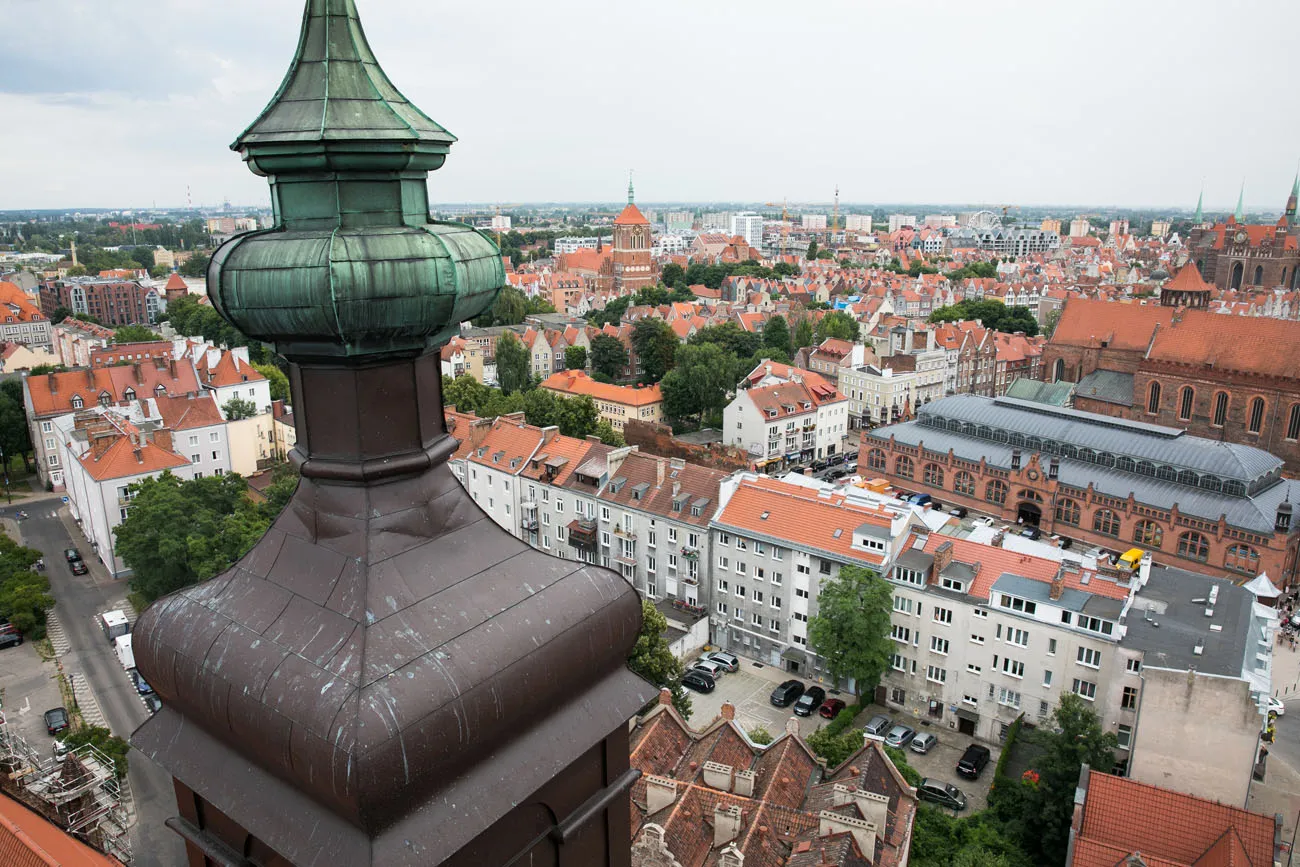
(79, 599)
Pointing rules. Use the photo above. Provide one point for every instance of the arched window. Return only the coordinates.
(876, 459)
(934, 475)
(996, 492)
(1220, 409)
(1058, 370)
(1125, 463)
(1293, 422)
(1242, 558)
(1166, 472)
(1194, 546)
(1259, 276)
(1148, 533)
(1031, 496)
(1146, 468)
(904, 467)
(1256, 420)
(1106, 522)
(1186, 397)
(1187, 477)
(964, 483)
(1067, 512)
(1234, 281)
(1153, 398)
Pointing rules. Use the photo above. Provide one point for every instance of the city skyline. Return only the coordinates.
(1071, 108)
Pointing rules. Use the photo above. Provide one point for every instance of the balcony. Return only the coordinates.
(692, 580)
(626, 534)
(529, 523)
(690, 553)
(582, 534)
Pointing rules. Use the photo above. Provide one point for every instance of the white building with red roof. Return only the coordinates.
(784, 415)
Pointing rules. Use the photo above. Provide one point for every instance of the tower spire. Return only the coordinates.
(631, 194)
(1291, 200)
(1197, 218)
(1240, 213)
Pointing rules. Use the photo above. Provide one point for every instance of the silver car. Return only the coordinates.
(923, 742)
(709, 667)
(900, 736)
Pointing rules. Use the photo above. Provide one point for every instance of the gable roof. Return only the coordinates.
(52, 393)
(123, 459)
(631, 216)
(186, 413)
(1094, 323)
(1182, 830)
(30, 840)
(578, 382)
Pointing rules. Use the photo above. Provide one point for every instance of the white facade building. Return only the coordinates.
(749, 226)
(900, 221)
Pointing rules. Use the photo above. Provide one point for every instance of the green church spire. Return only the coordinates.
(631, 196)
(1197, 218)
(1240, 213)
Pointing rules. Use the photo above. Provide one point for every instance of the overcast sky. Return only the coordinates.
(117, 103)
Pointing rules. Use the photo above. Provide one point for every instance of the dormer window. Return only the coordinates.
(159, 389)
(77, 402)
(129, 394)
(105, 399)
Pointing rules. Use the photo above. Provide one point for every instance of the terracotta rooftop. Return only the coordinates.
(175, 283)
(631, 216)
(1122, 816)
(16, 305)
(229, 369)
(124, 459)
(186, 413)
(1093, 323)
(994, 561)
(578, 382)
(653, 484)
(53, 393)
(1242, 344)
(1188, 279)
(30, 840)
(803, 517)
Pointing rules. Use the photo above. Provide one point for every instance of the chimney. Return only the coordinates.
(792, 726)
(942, 558)
(1058, 585)
(841, 795)
(728, 711)
(718, 776)
(744, 783)
(666, 696)
(54, 384)
(660, 466)
(726, 823)
(90, 378)
(135, 368)
(873, 807)
(592, 438)
(677, 488)
(731, 857)
(864, 832)
(659, 793)
(1015, 459)
(171, 367)
(1053, 469)
(139, 457)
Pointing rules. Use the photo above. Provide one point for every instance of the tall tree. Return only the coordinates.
(608, 355)
(608, 435)
(776, 334)
(837, 324)
(812, 250)
(134, 334)
(196, 265)
(239, 408)
(465, 393)
(513, 363)
(575, 358)
(851, 629)
(700, 382)
(803, 333)
(656, 345)
(510, 308)
(653, 660)
(673, 274)
(729, 336)
(15, 435)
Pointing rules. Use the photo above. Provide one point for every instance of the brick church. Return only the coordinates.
(629, 266)
(1234, 254)
(1226, 378)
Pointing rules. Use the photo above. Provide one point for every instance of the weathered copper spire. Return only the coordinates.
(387, 677)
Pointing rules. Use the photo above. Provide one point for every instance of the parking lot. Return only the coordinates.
(748, 690)
(30, 688)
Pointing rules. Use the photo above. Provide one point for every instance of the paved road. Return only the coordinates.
(80, 598)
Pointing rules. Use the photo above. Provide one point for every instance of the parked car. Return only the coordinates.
(973, 761)
(1276, 706)
(78, 567)
(831, 708)
(941, 793)
(61, 750)
(10, 638)
(56, 720)
(923, 742)
(1031, 533)
(697, 680)
(153, 702)
(787, 693)
(72, 555)
(810, 701)
(958, 511)
(920, 499)
(900, 736)
(817, 466)
(878, 726)
(729, 661)
(141, 685)
(835, 460)
(713, 669)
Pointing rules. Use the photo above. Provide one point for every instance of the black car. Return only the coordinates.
(141, 685)
(78, 567)
(72, 555)
(1032, 533)
(56, 720)
(973, 761)
(697, 680)
(152, 702)
(788, 693)
(10, 638)
(809, 702)
(958, 511)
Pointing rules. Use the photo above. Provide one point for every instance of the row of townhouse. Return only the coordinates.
(987, 627)
(785, 415)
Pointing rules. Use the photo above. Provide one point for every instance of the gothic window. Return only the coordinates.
(1220, 409)
(1293, 422)
(903, 467)
(964, 483)
(1106, 522)
(1067, 512)
(1242, 558)
(1259, 275)
(996, 492)
(1058, 370)
(1148, 533)
(1256, 421)
(876, 459)
(1153, 398)
(1185, 399)
(1194, 546)
(934, 475)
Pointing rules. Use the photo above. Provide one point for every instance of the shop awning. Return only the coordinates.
(794, 654)
(968, 715)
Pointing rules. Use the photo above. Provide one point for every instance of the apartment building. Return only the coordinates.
(20, 320)
(785, 415)
(895, 387)
(615, 403)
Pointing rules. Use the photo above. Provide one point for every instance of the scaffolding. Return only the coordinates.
(79, 792)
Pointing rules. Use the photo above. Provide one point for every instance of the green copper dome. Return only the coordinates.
(353, 267)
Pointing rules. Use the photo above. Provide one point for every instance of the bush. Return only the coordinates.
(1013, 732)
(899, 758)
(835, 747)
(760, 735)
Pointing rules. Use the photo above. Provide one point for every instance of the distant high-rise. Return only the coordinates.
(749, 226)
(1080, 227)
(901, 221)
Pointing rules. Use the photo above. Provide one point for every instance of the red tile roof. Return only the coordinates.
(30, 840)
(994, 561)
(1122, 816)
(186, 413)
(52, 393)
(1241, 344)
(631, 216)
(17, 305)
(1092, 323)
(229, 370)
(175, 283)
(578, 382)
(1188, 279)
(123, 459)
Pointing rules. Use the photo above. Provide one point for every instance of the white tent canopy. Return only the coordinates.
(1262, 587)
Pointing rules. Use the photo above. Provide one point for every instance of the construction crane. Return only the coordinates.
(835, 222)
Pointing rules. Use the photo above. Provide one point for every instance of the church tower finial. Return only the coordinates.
(1240, 213)
(631, 194)
(1197, 218)
(1291, 201)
